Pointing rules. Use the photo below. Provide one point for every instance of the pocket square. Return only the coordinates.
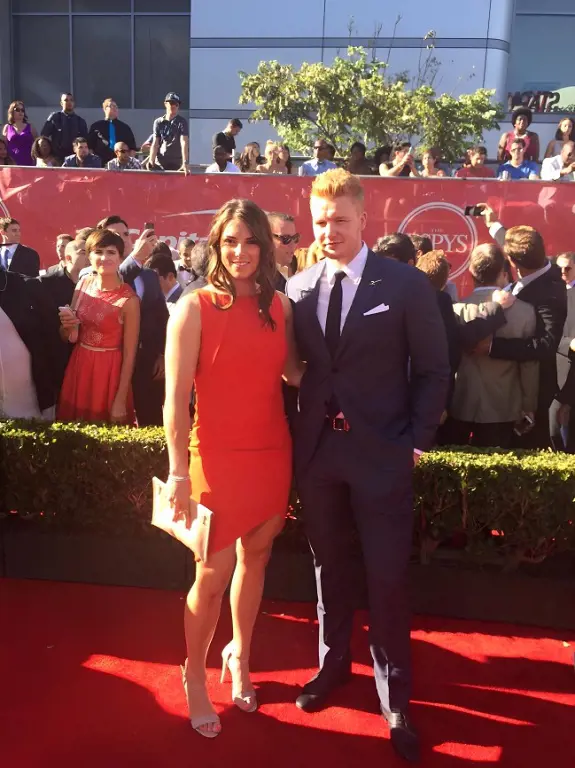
(376, 310)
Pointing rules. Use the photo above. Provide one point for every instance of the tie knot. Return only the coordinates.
(338, 277)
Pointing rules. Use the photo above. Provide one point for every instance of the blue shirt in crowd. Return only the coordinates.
(315, 167)
(524, 171)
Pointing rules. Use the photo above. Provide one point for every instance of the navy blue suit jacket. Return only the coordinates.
(391, 370)
(153, 313)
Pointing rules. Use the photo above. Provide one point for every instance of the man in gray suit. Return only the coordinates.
(491, 396)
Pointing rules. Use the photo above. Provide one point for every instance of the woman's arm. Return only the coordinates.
(294, 368)
(34, 132)
(550, 148)
(131, 315)
(535, 146)
(182, 353)
(501, 148)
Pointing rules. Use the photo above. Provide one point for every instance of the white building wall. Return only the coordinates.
(472, 45)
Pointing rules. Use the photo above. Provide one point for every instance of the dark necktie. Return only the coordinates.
(333, 321)
(333, 332)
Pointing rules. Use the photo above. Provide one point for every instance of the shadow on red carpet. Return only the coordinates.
(90, 679)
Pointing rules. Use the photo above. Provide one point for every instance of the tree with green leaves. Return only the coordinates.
(353, 99)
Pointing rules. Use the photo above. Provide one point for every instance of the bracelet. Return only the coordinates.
(179, 478)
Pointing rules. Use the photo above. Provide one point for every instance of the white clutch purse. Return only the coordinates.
(197, 536)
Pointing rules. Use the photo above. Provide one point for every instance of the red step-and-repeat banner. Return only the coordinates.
(48, 202)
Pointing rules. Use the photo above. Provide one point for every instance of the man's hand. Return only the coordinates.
(488, 214)
(505, 299)
(159, 370)
(563, 415)
(144, 246)
(184, 169)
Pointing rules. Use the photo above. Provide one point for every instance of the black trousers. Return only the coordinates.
(493, 435)
(148, 397)
(344, 491)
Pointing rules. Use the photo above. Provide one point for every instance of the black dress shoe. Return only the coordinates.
(404, 738)
(316, 692)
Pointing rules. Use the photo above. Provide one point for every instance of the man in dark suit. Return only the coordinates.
(436, 267)
(370, 401)
(148, 378)
(539, 286)
(162, 263)
(64, 126)
(561, 414)
(53, 290)
(104, 134)
(286, 238)
(13, 256)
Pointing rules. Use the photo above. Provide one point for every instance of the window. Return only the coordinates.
(132, 50)
(550, 6)
(541, 56)
(161, 59)
(165, 6)
(100, 6)
(41, 59)
(40, 6)
(102, 59)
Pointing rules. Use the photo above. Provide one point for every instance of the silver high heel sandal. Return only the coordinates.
(243, 699)
(199, 723)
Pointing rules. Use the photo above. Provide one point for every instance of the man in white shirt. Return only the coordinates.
(370, 402)
(561, 167)
(320, 163)
(222, 164)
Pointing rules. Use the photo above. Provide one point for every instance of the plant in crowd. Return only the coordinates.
(354, 99)
(506, 508)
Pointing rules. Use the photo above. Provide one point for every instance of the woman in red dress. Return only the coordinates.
(233, 341)
(104, 323)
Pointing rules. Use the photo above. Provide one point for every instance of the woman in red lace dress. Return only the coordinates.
(104, 323)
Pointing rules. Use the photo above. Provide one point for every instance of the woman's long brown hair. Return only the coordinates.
(257, 222)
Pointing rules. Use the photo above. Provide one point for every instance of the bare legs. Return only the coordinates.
(204, 603)
(253, 552)
(200, 618)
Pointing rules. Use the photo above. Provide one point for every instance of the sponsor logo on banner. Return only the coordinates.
(448, 229)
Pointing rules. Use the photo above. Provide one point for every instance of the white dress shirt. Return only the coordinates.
(349, 285)
(551, 170)
(230, 168)
(524, 281)
(7, 254)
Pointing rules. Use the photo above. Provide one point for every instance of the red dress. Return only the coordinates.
(93, 373)
(240, 447)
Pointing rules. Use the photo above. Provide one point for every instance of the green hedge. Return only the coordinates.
(69, 477)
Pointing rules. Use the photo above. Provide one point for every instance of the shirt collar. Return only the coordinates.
(353, 270)
(530, 278)
(172, 290)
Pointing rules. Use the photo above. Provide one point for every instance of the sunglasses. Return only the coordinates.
(18, 109)
(287, 239)
(122, 151)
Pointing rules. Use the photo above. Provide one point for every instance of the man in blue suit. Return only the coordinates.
(371, 398)
(148, 378)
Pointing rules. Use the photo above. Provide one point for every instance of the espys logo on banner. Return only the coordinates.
(448, 229)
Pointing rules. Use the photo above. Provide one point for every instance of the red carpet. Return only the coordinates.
(89, 679)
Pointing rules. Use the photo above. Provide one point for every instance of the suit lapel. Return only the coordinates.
(362, 300)
(308, 306)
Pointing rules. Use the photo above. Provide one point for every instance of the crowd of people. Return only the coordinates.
(65, 140)
(503, 392)
(356, 357)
